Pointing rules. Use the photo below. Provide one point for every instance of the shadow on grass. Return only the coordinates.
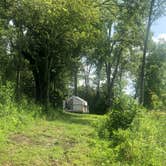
(71, 118)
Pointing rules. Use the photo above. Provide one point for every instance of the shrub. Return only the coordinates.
(6, 98)
(121, 117)
(141, 143)
(13, 116)
(157, 103)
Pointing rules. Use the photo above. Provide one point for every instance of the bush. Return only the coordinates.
(143, 142)
(13, 116)
(156, 102)
(140, 142)
(121, 117)
(6, 98)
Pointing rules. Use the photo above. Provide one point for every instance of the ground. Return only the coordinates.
(68, 139)
(51, 142)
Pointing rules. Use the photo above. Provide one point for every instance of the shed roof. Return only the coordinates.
(78, 98)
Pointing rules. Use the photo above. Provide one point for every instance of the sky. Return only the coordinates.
(159, 29)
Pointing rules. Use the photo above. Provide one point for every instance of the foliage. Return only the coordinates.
(44, 44)
(142, 143)
(156, 102)
(14, 116)
(117, 119)
(120, 117)
(155, 76)
(100, 106)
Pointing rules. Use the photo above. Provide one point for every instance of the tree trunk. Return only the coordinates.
(41, 73)
(37, 85)
(18, 80)
(142, 74)
(99, 67)
(75, 81)
(87, 79)
(114, 76)
(108, 73)
(19, 65)
(109, 66)
(47, 80)
(120, 78)
(41, 68)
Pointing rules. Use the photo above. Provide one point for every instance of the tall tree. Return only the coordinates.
(50, 30)
(142, 75)
(122, 33)
(155, 80)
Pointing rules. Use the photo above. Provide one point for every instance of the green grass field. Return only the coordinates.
(67, 139)
(60, 141)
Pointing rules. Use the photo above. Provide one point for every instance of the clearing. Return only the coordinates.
(52, 142)
(66, 139)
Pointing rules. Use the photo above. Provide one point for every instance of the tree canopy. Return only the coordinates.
(45, 46)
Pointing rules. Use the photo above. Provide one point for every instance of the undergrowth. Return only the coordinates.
(132, 136)
(14, 116)
(143, 142)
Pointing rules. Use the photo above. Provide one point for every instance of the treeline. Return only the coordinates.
(48, 46)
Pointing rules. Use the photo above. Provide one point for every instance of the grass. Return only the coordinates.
(50, 141)
(66, 139)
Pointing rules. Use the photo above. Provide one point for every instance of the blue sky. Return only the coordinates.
(159, 27)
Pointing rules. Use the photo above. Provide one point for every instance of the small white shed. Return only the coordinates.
(76, 104)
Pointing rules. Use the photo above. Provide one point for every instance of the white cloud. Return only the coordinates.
(161, 36)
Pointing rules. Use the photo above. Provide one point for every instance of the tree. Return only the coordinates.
(156, 9)
(122, 29)
(155, 74)
(141, 99)
(51, 29)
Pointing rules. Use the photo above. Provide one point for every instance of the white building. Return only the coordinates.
(76, 104)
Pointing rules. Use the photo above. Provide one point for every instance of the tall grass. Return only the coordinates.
(143, 143)
(14, 116)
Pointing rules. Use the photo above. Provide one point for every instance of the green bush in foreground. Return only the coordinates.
(142, 143)
(120, 117)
